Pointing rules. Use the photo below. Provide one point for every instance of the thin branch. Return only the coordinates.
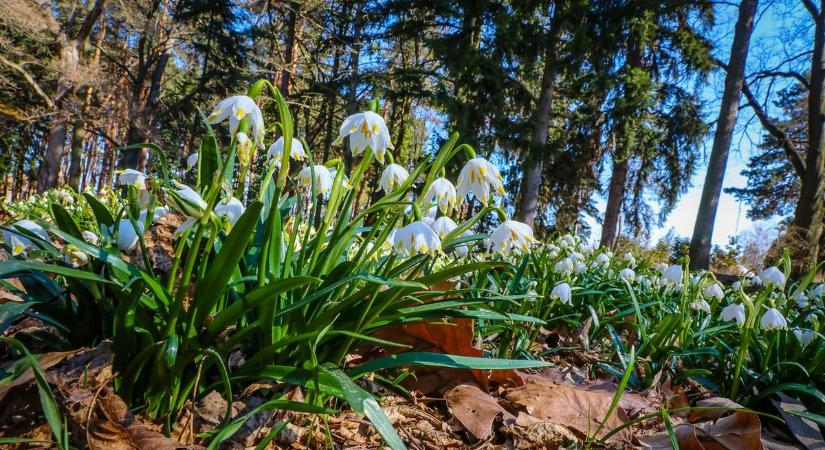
(29, 79)
(784, 74)
(774, 130)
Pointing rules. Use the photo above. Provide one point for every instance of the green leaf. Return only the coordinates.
(221, 268)
(64, 221)
(101, 213)
(443, 360)
(798, 387)
(13, 266)
(363, 403)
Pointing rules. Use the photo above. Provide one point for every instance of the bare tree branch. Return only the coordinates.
(783, 74)
(29, 79)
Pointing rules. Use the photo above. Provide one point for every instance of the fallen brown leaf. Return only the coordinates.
(805, 431)
(45, 361)
(531, 433)
(739, 431)
(579, 409)
(475, 409)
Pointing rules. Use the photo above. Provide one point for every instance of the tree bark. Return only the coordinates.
(293, 36)
(700, 244)
(532, 169)
(808, 216)
(49, 170)
(615, 198)
(352, 93)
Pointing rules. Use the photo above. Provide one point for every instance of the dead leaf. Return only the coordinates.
(805, 431)
(45, 361)
(717, 402)
(475, 409)
(580, 409)
(739, 431)
(117, 429)
(528, 433)
(631, 402)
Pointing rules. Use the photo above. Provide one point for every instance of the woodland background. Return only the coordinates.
(576, 100)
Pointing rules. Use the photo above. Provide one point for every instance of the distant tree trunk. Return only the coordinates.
(290, 55)
(615, 198)
(352, 93)
(532, 169)
(700, 244)
(809, 212)
(49, 171)
(75, 168)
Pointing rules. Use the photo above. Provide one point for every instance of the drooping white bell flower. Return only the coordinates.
(628, 274)
(819, 290)
(773, 320)
(629, 259)
(392, 177)
(736, 285)
(323, 179)
(661, 267)
(734, 311)
(127, 235)
(479, 177)
(564, 267)
(415, 238)
(366, 130)
(512, 236)
(276, 151)
(186, 201)
(800, 298)
(580, 268)
(576, 256)
(562, 293)
(74, 256)
(442, 192)
(772, 277)
(444, 226)
(700, 305)
(20, 243)
(714, 290)
(602, 261)
(236, 108)
(90, 237)
(192, 161)
(672, 276)
(755, 281)
(804, 336)
(132, 177)
(231, 209)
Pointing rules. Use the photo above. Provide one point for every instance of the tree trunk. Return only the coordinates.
(714, 179)
(293, 36)
(355, 55)
(808, 216)
(615, 198)
(78, 137)
(49, 170)
(532, 169)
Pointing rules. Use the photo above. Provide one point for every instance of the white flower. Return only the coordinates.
(463, 250)
(819, 290)
(512, 236)
(442, 192)
(131, 177)
(192, 161)
(672, 276)
(602, 260)
(755, 281)
(20, 243)
(564, 267)
(773, 277)
(276, 151)
(628, 274)
(90, 237)
(736, 285)
(661, 267)
(323, 179)
(127, 235)
(443, 226)
(478, 176)
(629, 259)
(734, 311)
(800, 298)
(714, 290)
(415, 238)
(580, 268)
(694, 280)
(804, 336)
(392, 177)
(232, 209)
(186, 200)
(74, 256)
(562, 293)
(576, 256)
(531, 295)
(366, 130)
(700, 305)
(773, 320)
(236, 108)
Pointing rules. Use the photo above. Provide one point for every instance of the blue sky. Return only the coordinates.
(776, 33)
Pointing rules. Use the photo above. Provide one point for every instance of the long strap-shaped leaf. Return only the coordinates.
(12, 266)
(214, 282)
(444, 360)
